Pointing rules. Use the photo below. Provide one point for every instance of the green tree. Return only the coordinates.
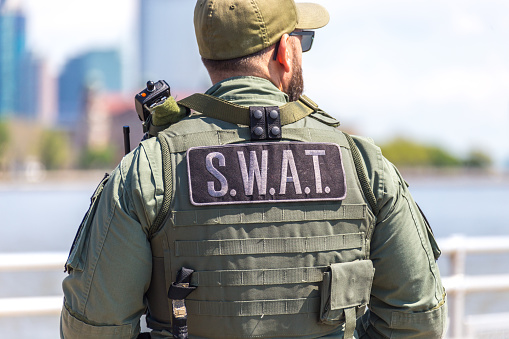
(403, 152)
(54, 149)
(98, 158)
(408, 153)
(4, 137)
(478, 159)
(438, 157)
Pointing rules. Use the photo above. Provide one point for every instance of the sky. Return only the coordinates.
(436, 71)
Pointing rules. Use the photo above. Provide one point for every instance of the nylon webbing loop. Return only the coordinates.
(236, 114)
(350, 322)
(278, 276)
(361, 173)
(268, 245)
(253, 308)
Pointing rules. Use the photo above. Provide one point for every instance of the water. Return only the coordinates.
(45, 218)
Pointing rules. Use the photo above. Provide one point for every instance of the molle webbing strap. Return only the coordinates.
(224, 110)
(267, 214)
(168, 187)
(296, 275)
(186, 248)
(361, 173)
(253, 308)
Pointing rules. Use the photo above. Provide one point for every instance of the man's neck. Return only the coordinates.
(248, 91)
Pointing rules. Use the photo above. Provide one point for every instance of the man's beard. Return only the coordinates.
(296, 85)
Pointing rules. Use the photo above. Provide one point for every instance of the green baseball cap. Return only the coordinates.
(228, 29)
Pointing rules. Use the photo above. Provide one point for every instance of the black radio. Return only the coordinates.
(153, 95)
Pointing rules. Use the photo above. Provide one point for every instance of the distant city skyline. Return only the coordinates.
(27, 87)
(436, 71)
(12, 59)
(98, 71)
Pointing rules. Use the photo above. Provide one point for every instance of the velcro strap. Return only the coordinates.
(253, 308)
(268, 245)
(224, 110)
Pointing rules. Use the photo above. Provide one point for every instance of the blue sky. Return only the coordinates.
(436, 71)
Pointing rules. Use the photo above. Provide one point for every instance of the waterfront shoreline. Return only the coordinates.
(75, 179)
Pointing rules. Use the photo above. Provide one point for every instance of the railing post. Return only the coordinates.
(458, 261)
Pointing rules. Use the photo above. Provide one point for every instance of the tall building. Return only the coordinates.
(100, 70)
(36, 97)
(47, 95)
(12, 56)
(167, 45)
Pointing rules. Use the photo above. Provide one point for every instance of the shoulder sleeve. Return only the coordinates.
(407, 296)
(144, 175)
(104, 294)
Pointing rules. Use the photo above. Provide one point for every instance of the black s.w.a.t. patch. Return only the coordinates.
(265, 172)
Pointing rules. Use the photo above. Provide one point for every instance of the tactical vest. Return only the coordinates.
(297, 268)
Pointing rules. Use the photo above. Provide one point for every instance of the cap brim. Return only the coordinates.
(311, 16)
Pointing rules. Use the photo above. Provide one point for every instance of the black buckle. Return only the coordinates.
(265, 122)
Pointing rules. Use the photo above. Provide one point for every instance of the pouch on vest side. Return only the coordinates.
(434, 245)
(431, 237)
(345, 285)
(78, 248)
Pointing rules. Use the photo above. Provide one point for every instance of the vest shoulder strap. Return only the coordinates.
(361, 173)
(227, 111)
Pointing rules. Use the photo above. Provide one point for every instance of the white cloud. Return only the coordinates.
(464, 23)
(468, 85)
(58, 29)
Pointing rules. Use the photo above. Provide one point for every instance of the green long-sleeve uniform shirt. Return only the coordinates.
(110, 263)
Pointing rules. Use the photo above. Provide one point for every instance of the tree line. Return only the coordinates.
(53, 148)
(408, 153)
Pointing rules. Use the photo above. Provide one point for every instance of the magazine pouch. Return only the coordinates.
(346, 288)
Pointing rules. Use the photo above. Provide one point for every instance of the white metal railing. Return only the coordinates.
(458, 284)
(32, 261)
(29, 306)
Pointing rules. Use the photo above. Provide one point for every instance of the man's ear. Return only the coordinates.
(283, 54)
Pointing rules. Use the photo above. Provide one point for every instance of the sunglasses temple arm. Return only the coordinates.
(276, 49)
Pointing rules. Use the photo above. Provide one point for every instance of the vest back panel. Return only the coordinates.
(258, 266)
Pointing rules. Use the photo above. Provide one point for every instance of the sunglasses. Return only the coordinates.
(306, 42)
(307, 39)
